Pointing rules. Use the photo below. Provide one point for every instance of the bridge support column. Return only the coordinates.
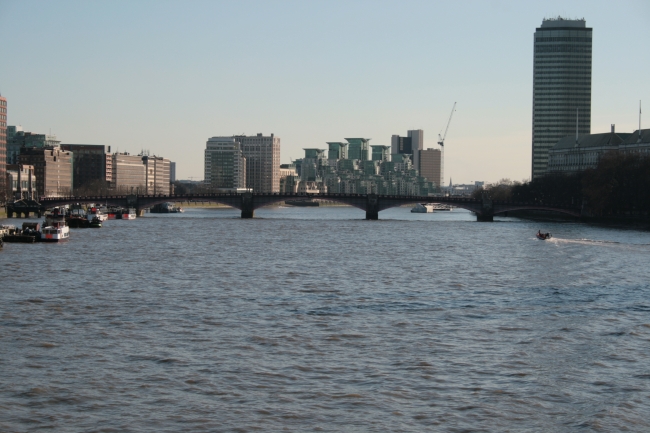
(372, 207)
(247, 209)
(487, 210)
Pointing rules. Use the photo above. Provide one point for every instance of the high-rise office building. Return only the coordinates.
(412, 144)
(431, 165)
(561, 85)
(52, 168)
(156, 174)
(224, 163)
(262, 155)
(3, 146)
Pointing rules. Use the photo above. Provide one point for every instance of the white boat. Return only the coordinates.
(422, 208)
(96, 213)
(55, 229)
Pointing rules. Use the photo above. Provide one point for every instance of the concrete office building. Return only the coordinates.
(412, 144)
(21, 182)
(262, 155)
(3, 147)
(224, 163)
(128, 174)
(561, 86)
(156, 174)
(92, 167)
(52, 168)
(431, 165)
(172, 172)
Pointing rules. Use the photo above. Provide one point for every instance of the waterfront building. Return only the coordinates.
(380, 153)
(289, 178)
(18, 139)
(571, 155)
(21, 182)
(156, 173)
(3, 146)
(52, 168)
(412, 144)
(224, 163)
(92, 167)
(172, 172)
(337, 150)
(262, 155)
(431, 165)
(128, 174)
(358, 148)
(561, 86)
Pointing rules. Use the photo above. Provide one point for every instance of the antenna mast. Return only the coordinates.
(441, 142)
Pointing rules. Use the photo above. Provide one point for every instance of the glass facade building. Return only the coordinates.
(561, 86)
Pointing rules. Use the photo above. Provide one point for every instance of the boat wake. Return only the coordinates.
(595, 242)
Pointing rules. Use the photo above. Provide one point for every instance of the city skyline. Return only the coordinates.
(163, 76)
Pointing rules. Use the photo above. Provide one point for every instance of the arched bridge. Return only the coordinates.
(372, 204)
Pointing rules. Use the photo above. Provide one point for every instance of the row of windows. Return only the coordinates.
(3, 103)
(568, 74)
(562, 39)
(563, 49)
(562, 92)
(3, 110)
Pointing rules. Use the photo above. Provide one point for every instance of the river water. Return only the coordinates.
(313, 319)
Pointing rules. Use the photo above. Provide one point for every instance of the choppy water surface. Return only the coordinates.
(312, 319)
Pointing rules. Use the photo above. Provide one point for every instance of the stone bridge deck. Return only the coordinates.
(372, 204)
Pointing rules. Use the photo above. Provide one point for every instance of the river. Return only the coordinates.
(313, 319)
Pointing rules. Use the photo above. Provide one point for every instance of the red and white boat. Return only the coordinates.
(128, 214)
(55, 229)
(96, 213)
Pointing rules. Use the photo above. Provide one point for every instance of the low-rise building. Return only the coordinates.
(574, 154)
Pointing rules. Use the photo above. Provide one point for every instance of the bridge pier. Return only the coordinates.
(139, 212)
(247, 209)
(487, 210)
(372, 207)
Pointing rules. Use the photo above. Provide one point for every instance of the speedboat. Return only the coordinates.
(543, 236)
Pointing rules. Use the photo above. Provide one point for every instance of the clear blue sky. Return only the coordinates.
(165, 75)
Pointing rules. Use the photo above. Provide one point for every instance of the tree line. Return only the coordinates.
(619, 185)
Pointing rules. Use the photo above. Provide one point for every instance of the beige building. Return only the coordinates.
(431, 165)
(52, 168)
(21, 182)
(128, 174)
(262, 155)
(156, 171)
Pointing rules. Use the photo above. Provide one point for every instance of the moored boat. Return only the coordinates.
(422, 208)
(55, 229)
(128, 214)
(96, 213)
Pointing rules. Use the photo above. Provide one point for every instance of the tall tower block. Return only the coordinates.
(561, 85)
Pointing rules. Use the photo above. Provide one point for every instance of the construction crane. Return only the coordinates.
(441, 142)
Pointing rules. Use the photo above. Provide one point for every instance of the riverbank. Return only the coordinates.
(621, 221)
